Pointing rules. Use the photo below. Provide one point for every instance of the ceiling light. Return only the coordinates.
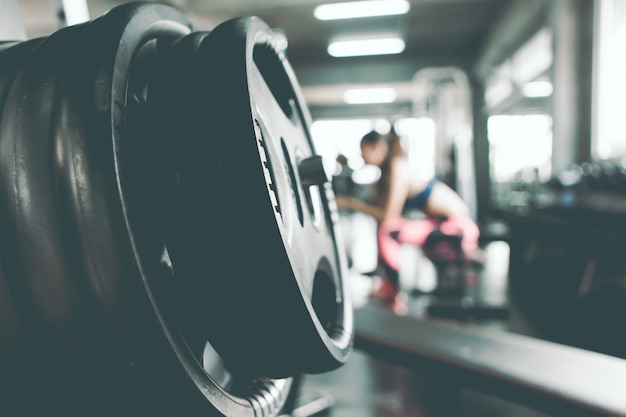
(353, 9)
(537, 89)
(362, 47)
(370, 95)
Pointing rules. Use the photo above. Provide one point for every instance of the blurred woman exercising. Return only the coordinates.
(397, 192)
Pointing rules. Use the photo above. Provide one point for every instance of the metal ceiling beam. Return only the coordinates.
(361, 111)
(381, 70)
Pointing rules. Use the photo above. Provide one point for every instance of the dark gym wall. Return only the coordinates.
(12, 27)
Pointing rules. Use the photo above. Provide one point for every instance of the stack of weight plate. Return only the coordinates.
(168, 236)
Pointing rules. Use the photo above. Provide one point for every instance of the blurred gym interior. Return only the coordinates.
(518, 105)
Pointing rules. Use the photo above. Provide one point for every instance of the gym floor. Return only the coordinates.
(366, 386)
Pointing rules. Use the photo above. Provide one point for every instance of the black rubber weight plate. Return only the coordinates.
(256, 242)
(14, 341)
(11, 56)
(4, 45)
(71, 254)
(32, 261)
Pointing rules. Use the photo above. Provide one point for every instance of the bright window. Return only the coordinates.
(520, 147)
(334, 137)
(609, 140)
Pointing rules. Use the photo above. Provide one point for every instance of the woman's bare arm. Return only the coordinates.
(358, 205)
(442, 202)
(393, 206)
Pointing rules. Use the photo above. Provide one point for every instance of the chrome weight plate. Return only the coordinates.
(257, 240)
(171, 102)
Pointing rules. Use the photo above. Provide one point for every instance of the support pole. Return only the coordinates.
(573, 53)
(481, 150)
